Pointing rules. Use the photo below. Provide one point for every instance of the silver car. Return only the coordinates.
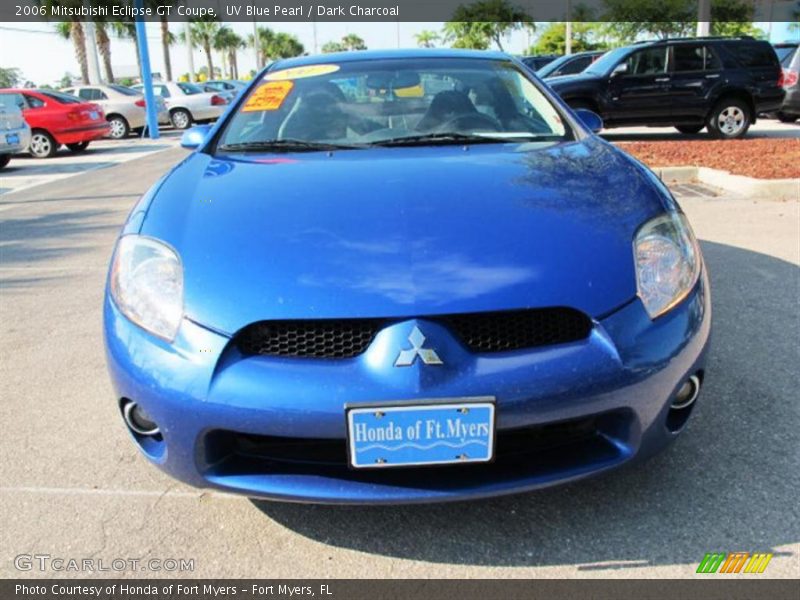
(15, 135)
(124, 106)
(188, 103)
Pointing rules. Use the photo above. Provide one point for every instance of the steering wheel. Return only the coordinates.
(470, 121)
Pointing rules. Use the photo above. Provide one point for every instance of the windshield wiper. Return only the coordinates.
(286, 145)
(431, 139)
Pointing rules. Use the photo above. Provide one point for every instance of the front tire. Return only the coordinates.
(729, 119)
(181, 119)
(119, 127)
(42, 145)
(4, 160)
(689, 129)
(78, 147)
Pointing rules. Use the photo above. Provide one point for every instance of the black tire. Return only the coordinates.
(42, 145)
(689, 129)
(786, 117)
(4, 160)
(78, 147)
(180, 118)
(729, 119)
(119, 127)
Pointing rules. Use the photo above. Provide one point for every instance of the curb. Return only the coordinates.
(763, 189)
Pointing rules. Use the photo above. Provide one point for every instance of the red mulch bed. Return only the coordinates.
(774, 158)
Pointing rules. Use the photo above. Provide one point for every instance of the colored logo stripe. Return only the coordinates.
(733, 562)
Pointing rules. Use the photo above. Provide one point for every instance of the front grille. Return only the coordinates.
(517, 329)
(480, 332)
(341, 338)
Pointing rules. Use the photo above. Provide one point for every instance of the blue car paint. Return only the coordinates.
(353, 234)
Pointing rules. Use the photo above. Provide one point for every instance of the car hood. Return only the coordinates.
(401, 232)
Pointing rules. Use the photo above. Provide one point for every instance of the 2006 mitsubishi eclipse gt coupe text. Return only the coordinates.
(389, 277)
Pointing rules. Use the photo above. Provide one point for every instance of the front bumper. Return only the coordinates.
(204, 395)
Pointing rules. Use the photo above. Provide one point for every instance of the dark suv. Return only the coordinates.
(689, 83)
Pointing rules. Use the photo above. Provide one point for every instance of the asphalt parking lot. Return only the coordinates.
(74, 486)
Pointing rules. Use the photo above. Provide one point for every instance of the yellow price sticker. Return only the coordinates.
(268, 96)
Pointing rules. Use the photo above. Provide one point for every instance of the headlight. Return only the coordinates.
(147, 284)
(667, 262)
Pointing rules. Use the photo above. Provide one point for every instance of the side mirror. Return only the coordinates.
(590, 119)
(620, 69)
(195, 136)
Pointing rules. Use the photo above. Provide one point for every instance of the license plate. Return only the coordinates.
(12, 138)
(93, 115)
(436, 433)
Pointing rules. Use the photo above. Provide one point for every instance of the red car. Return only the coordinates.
(57, 119)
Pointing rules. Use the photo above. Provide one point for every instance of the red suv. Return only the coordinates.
(57, 119)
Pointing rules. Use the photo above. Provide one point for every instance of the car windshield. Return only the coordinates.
(392, 102)
(604, 64)
(125, 90)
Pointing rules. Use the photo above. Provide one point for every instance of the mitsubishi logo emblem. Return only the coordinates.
(428, 356)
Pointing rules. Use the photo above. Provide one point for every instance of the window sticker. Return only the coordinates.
(268, 96)
(301, 72)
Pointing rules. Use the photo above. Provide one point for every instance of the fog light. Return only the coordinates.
(687, 394)
(138, 419)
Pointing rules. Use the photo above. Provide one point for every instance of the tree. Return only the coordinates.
(228, 42)
(553, 38)
(478, 24)
(349, 42)
(203, 33)
(73, 30)
(277, 45)
(9, 77)
(104, 47)
(353, 42)
(329, 47)
(66, 80)
(426, 39)
(167, 37)
(630, 20)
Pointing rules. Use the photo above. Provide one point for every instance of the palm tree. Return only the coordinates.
(228, 42)
(104, 46)
(353, 42)
(203, 34)
(285, 45)
(73, 30)
(266, 37)
(167, 37)
(427, 39)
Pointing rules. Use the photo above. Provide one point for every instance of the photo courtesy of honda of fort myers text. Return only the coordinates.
(399, 299)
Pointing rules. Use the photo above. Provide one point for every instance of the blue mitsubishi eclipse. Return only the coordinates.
(394, 277)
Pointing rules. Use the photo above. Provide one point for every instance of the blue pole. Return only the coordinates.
(147, 78)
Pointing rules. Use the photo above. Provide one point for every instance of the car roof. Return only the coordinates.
(358, 55)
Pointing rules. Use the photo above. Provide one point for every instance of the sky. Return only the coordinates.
(44, 57)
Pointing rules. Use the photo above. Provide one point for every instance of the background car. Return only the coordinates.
(56, 119)
(569, 64)
(689, 83)
(124, 106)
(15, 134)
(229, 86)
(188, 103)
(537, 62)
(790, 109)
